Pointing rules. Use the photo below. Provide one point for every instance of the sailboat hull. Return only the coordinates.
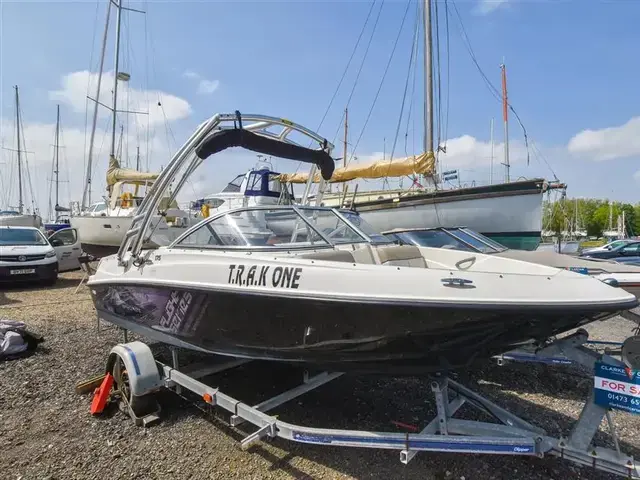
(21, 221)
(510, 213)
(367, 337)
(102, 236)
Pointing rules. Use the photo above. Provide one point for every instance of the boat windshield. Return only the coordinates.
(21, 236)
(437, 238)
(281, 227)
(498, 247)
(234, 185)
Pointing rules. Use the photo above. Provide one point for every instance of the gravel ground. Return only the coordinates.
(46, 430)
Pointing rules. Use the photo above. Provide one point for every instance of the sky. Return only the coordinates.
(573, 72)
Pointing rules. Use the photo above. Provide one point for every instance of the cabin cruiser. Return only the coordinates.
(462, 238)
(102, 227)
(323, 288)
(258, 186)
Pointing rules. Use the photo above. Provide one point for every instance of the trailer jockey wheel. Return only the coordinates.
(134, 406)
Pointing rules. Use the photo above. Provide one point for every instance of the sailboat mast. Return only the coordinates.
(115, 78)
(138, 158)
(20, 202)
(57, 145)
(428, 74)
(505, 117)
(86, 194)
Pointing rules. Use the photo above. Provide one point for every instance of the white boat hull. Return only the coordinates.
(101, 236)
(509, 213)
(20, 221)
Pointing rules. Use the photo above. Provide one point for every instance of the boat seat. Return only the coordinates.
(401, 256)
(331, 256)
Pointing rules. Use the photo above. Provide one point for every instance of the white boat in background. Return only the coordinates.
(101, 227)
(510, 213)
(11, 218)
(20, 218)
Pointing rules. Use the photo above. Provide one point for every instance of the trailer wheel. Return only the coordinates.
(137, 407)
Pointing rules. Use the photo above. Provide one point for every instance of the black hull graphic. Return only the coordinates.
(334, 335)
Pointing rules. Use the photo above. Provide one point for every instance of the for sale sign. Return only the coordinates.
(617, 387)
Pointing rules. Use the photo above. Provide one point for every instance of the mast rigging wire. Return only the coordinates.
(386, 70)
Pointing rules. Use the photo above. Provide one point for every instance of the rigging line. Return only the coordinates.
(386, 70)
(534, 146)
(146, 73)
(355, 83)
(492, 88)
(66, 162)
(344, 73)
(86, 100)
(413, 89)
(467, 43)
(26, 163)
(406, 86)
(446, 122)
(438, 80)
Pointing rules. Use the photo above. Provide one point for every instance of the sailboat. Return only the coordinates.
(101, 234)
(509, 212)
(56, 220)
(19, 218)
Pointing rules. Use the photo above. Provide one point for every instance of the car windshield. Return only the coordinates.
(618, 244)
(21, 236)
(273, 228)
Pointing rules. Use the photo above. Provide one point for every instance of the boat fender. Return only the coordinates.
(205, 210)
(125, 200)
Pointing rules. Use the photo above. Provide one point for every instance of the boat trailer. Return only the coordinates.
(133, 374)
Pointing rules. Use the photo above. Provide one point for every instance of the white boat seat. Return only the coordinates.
(331, 256)
(402, 256)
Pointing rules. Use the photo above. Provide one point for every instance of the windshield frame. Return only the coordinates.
(484, 239)
(270, 248)
(34, 230)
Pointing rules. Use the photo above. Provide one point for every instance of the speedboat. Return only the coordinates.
(627, 276)
(328, 292)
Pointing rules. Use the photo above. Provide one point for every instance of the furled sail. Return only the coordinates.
(129, 175)
(423, 164)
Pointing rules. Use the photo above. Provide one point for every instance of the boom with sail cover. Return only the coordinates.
(423, 164)
(116, 174)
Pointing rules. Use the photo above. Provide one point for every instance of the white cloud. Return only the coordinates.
(636, 176)
(205, 86)
(608, 143)
(159, 105)
(485, 7)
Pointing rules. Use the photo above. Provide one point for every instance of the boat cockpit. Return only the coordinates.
(318, 233)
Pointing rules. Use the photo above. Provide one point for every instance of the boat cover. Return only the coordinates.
(423, 164)
(239, 137)
(116, 174)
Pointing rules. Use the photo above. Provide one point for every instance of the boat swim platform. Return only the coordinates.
(509, 435)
